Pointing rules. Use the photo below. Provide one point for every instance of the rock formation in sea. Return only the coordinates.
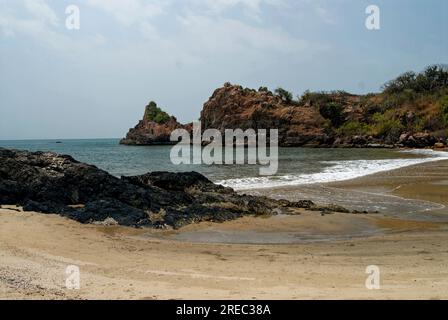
(155, 128)
(411, 111)
(51, 183)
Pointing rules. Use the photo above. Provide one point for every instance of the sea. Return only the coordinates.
(303, 173)
(296, 166)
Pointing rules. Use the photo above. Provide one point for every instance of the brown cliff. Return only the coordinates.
(411, 111)
(232, 107)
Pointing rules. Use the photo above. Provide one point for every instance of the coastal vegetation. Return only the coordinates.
(410, 111)
(285, 95)
(444, 109)
(411, 103)
(155, 114)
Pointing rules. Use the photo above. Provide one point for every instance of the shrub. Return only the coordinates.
(403, 81)
(417, 125)
(444, 109)
(285, 95)
(334, 112)
(353, 128)
(433, 78)
(434, 122)
(314, 98)
(154, 113)
(387, 126)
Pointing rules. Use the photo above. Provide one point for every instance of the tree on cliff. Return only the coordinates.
(432, 78)
(285, 95)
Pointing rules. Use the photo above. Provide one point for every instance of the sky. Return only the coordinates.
(94, 82)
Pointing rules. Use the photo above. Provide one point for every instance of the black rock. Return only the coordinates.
(50, 183)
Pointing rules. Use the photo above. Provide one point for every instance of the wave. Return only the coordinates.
(336, 171)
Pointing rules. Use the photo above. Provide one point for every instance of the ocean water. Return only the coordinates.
(297, 166)
(306, 169)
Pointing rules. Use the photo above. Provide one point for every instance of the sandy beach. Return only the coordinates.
(277, 258)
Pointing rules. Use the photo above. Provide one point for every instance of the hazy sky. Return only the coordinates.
(94, 82)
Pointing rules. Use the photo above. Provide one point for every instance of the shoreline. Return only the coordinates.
(403, 185)
(331, 175)
(124, 263)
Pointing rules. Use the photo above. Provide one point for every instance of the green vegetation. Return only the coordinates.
(444, 109)
(321, 97)
(353, 128)
(431, 79)
(154, 113)
(387, 126)
(285, 95)
(314, 98)
(334, 112)
(411, 103)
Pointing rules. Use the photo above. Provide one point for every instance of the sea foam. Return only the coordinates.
(336, 171)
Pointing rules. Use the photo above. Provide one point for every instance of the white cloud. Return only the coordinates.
(199, 32)
(130, 11)
(251, 8)
(324, 14)
(40, 10)
(42, 25)
(222, 35)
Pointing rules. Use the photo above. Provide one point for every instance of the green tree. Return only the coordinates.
(285, 95)
(433, 78)
(444, 109)
(334, 112)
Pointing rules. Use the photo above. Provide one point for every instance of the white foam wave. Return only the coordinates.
(337, 171)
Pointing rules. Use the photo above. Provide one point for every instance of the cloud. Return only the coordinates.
(199, 32)
(251, 8)
(134, 13)
(324, 15)
(130, 12)
(226, 36)
(39, 19)
(39, 22)
(40, 10)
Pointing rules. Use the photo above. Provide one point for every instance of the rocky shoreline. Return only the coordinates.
(319, 120)
(47, 182)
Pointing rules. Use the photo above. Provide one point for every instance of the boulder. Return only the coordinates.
(51, 183)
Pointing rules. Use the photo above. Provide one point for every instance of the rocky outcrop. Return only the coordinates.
(50, 183)
(318, 119)
(154, 129)
(232, 107)
(418, 140)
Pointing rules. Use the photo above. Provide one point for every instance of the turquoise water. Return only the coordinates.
(297, 166)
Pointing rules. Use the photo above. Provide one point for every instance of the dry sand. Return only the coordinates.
(124, 263)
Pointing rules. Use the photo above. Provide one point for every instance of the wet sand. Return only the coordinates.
(124, 263)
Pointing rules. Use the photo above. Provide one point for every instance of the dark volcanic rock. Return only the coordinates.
(50, 183)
